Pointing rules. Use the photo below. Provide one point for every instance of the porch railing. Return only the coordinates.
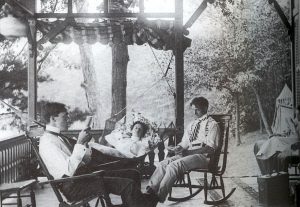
(15, 159)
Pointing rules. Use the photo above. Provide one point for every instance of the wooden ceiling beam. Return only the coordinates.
(104, 15)
(20, 6)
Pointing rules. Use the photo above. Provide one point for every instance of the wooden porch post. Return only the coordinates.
(295, 52)
(141, 6)
(32, 58)
(179, 72)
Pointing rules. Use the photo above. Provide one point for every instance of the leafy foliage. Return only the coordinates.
(251, 50)
(13, 76)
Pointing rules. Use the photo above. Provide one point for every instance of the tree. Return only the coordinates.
(14, 68)
(120, 60)
(90, 84)
(241, 61)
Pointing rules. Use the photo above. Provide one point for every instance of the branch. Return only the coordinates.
(230, 91)
(20, 51)
(8, 113)
(129, 3)
(41, 61)
(54, 7)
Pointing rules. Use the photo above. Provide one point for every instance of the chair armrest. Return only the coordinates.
(108, 164)
(295, 146)
(78, 177)
(5, 187)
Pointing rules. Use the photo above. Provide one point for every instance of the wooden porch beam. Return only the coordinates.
(32, 75)
(142, 6)
(70, 7)
(179, 72)
(105, 6)
(32, 61)
(196, 14)
(24, 8)
(58, 28)
(281, 14)
(294, 36)
(104, 15)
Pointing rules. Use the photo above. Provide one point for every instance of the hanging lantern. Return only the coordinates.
(11, 27)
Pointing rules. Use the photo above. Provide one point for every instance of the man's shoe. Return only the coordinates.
(151, 199)
(149, 190)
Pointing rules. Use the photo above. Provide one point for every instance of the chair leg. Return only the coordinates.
(97, 202)
(170, 194)
(101, 200)
(32, 197)
(106, 199)
(19, 201)
(0, 199)
(190, 183)
(103, 203)
(213, 182)
(222, 186)
(205, 186)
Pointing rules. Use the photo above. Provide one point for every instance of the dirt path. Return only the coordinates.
(241, 160)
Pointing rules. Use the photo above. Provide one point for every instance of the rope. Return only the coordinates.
(141, 95)
(147, 90)
(20, 113)
(166, 72)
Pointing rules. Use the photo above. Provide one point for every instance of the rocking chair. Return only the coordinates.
(103, 198)
(214, 169)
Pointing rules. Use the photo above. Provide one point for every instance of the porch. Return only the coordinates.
(246, 194)
(239, 174)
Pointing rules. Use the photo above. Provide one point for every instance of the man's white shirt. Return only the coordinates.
(208, 133)
(57, 156)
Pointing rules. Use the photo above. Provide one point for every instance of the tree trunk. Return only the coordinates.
(90, 83)
(262, 114)
(120, 60)
(260, 125)
(237, 123)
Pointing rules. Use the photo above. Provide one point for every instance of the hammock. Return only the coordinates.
(150, 141)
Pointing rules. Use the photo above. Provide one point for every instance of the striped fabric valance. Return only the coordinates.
(159, 33)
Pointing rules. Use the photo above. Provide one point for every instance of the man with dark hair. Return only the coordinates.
(62, 160)
(199, 141)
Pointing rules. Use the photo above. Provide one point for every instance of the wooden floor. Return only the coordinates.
(246, 195)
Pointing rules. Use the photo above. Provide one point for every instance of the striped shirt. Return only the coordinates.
(208, 133)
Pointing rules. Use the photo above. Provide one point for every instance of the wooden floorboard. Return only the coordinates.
(248, 189)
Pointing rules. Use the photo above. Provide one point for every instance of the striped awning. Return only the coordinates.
(159, 33)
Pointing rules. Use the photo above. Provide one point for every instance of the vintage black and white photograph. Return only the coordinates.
(145, 103)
